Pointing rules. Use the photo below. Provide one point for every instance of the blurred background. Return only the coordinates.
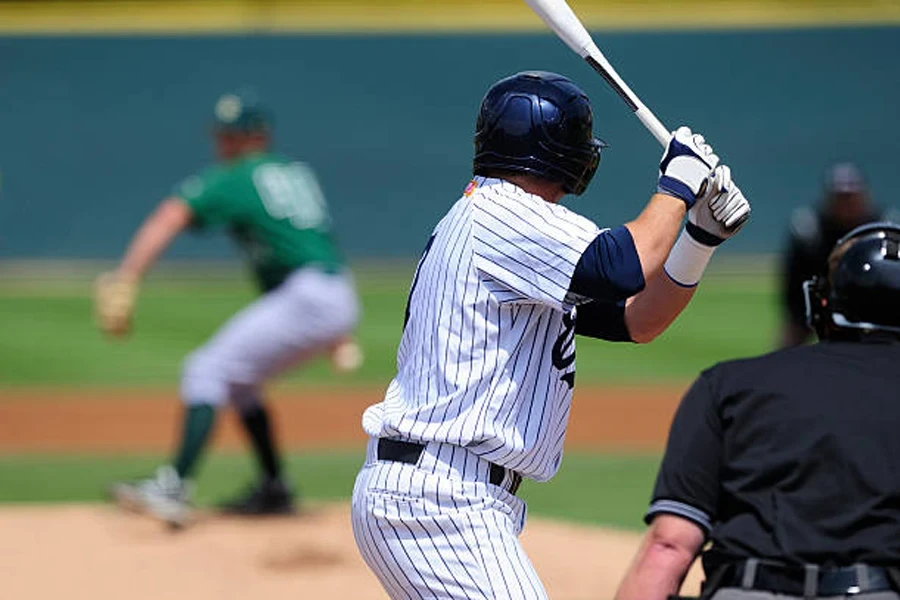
(106, 105)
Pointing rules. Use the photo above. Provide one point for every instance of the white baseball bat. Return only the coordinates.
(561, 19)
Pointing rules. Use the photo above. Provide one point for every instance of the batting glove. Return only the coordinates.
(114, 300)
(720, 212)
(686, 166)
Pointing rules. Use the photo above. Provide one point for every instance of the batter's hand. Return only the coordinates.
(114, 300)
(686, 166)
(720, 212)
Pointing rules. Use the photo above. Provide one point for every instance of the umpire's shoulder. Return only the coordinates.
(756, 369)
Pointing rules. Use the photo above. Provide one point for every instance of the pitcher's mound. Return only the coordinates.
(98, 553)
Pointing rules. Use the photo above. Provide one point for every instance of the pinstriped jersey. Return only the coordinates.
(487, 356)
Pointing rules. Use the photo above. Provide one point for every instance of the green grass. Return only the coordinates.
(590, 488)
(605, 489)
(84, 478)
(48, 337)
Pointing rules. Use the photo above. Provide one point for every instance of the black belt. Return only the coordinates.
(409, 452)
(792, 580)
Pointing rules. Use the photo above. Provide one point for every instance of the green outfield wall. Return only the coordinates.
(95, 130)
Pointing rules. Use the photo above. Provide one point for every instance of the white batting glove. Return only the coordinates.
(720, 212)
(686, 166)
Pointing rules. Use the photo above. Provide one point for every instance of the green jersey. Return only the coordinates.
(272, 207)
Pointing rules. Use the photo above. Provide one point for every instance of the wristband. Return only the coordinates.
(701, 235)
(678, 189)
(687, 260)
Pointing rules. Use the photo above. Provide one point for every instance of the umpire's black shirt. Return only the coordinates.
(793, 456)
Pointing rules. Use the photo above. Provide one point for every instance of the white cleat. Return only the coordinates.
(165, 497)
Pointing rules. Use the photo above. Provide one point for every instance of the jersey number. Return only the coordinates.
(291, 192)
(415, 282)
(565, 343)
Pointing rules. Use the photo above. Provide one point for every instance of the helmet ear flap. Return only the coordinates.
(818, 306)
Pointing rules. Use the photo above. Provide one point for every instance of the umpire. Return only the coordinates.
(813, 233)
(785, 468)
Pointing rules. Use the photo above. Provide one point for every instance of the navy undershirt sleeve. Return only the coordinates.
(602, 320)
(609, 269)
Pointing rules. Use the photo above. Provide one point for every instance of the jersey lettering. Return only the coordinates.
(415, 282)
(291, 192)
(564, 350)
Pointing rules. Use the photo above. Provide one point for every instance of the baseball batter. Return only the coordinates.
(274, 209)
(486, 364)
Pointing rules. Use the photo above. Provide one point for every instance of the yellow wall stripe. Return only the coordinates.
(392, 16)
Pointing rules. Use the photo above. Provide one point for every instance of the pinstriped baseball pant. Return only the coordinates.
(439, 529)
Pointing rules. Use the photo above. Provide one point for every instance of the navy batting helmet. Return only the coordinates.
(539, 123)
(862, 288)
(241, 112)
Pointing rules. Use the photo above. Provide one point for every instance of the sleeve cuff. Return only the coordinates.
(680, 509)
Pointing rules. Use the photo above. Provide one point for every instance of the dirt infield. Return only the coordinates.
(96, 553)
(146, 421)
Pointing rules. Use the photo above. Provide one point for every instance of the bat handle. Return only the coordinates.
(653, 125)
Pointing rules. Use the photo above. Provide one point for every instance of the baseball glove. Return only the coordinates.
(114, 300)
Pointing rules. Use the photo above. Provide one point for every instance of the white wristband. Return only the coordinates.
(687, 260)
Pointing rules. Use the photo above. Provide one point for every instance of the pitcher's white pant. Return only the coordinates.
(439, 529)
(305, 315)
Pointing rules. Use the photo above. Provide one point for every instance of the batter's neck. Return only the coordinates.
(550, 191)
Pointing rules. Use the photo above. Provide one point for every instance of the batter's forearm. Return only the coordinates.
(154, 236)
(654, 232)
(652, 311)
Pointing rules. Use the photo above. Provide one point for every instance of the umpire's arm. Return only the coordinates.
(663, 559)
(684, 499)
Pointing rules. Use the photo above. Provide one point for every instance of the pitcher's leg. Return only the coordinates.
(302, 317)
(320, 312)
(196, 427)
(271, 494)
(258, 426)
(229, 367)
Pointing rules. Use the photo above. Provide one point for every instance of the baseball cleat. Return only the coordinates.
(269, 497)
(164, 496)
